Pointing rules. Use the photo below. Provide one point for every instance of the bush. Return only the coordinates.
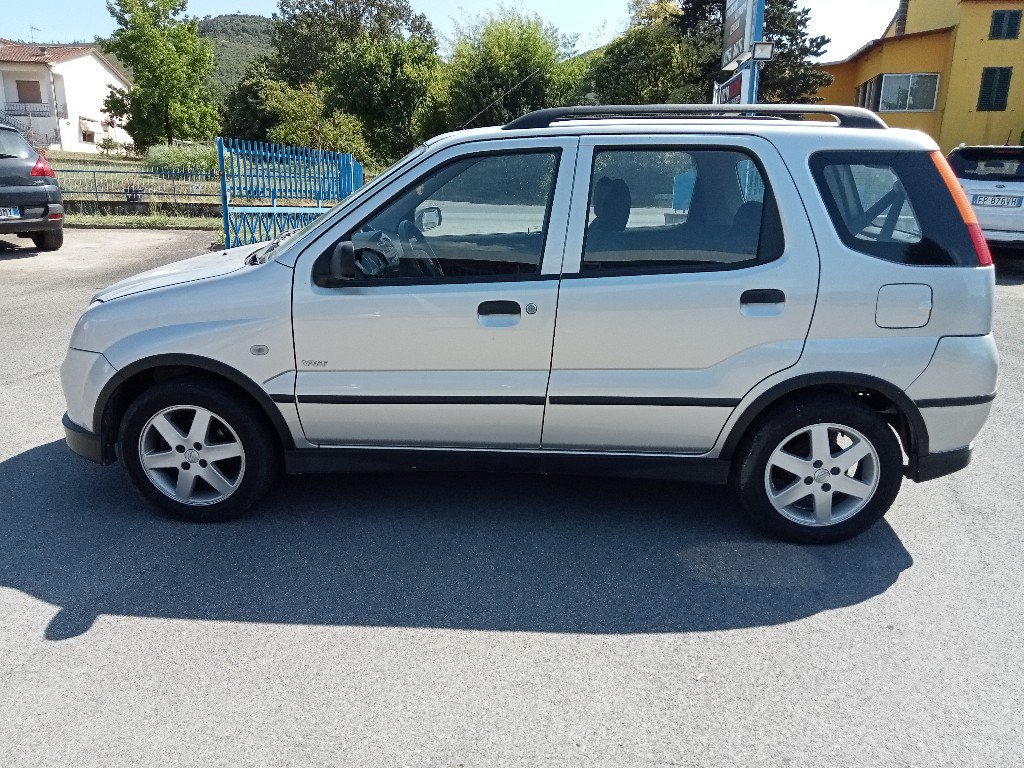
(197, 158)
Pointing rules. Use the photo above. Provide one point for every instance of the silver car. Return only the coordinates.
(800, 308)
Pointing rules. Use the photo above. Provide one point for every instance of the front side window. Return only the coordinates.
(679, 209)
(894, 206)
(480, 217)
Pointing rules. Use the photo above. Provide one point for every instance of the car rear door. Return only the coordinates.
(682, 289)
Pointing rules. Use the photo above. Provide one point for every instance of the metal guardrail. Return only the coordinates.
(257, 176)
(101, 184)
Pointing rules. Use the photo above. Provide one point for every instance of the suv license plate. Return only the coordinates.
(10, 213)
(998, 201)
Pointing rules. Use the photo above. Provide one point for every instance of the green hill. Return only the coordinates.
(237, 39)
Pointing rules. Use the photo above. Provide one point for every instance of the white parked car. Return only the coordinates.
(993, 178)
(800, 308)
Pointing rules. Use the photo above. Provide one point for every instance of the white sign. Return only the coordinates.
(738, 33)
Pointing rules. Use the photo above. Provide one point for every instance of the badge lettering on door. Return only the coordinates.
(314, 363)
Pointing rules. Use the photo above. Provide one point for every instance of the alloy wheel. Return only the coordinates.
(822, 475)
(192, 455)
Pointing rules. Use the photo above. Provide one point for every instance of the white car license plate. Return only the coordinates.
(998, 201)
(10, 213)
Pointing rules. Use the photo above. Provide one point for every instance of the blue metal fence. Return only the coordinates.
(255, 177)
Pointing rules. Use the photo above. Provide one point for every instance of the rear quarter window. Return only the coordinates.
(12, 145)
(893, 206)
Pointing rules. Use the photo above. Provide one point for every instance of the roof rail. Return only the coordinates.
(848, 117)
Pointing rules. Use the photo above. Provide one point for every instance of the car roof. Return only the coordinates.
(826, 135)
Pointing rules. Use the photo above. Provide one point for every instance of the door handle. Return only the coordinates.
(499, 308)
(763, 296)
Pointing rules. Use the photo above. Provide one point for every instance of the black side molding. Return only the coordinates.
(955, 402)
(659, 467)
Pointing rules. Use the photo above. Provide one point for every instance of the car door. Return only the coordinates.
(690, 275)
(444, 339)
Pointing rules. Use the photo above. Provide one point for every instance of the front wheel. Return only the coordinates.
(821, 470)
(197, 450)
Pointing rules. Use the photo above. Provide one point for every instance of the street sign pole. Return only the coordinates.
(755, 66)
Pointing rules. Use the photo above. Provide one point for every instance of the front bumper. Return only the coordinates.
(83, 442)
(1003, 237)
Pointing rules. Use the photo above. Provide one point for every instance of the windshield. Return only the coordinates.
(270, 249)
(988, 163)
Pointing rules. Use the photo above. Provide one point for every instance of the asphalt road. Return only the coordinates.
(471, 620)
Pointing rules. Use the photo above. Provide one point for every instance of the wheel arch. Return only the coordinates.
(883, 396)
(133, 379)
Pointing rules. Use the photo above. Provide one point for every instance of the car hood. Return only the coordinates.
(197, 268)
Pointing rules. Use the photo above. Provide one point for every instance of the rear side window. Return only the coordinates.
(988, 163)
(12, 145)
(893, 206)
(665, 210)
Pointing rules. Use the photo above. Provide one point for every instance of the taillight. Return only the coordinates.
(966, 211)
(43, 168)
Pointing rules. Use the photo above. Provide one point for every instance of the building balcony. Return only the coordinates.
(45, 109)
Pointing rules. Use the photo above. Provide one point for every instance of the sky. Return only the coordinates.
(595, 21)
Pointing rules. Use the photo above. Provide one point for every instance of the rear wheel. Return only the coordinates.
(820, 470)
(197, 451)
(48, 240)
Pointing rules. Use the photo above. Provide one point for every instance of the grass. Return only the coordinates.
(59, 159)
(143, 221)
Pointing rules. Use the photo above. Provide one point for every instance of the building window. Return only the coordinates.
(995, 89)
(29, 92)
(900, 93)
(1005, 25)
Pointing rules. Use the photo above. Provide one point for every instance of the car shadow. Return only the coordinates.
(9, 250)
(1009, 266)
(466, 551)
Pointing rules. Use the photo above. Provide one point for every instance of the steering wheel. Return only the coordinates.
(412, 241)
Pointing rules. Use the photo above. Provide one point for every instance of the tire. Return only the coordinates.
(161, 424)
(48, 240)
(824, 513)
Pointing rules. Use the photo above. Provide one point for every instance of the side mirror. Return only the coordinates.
(343, 262)
(428, 218)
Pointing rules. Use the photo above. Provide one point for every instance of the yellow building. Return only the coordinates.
(951, 68)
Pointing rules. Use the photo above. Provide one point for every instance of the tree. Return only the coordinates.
(503, 65)
(643, 66)
(170, 65)
(307, 33)
(792, 77)
(247, 114)
(303, 120)
(384, 81)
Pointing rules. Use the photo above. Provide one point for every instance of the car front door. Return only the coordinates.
(690, 275)
(443, 339)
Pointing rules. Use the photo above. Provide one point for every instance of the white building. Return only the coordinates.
(54, 94)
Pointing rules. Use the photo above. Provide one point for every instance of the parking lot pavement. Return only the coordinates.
(473, 620)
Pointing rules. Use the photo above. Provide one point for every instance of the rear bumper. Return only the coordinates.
(934, 465)
(13, 226)
(1005, 237)
(83, 442)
